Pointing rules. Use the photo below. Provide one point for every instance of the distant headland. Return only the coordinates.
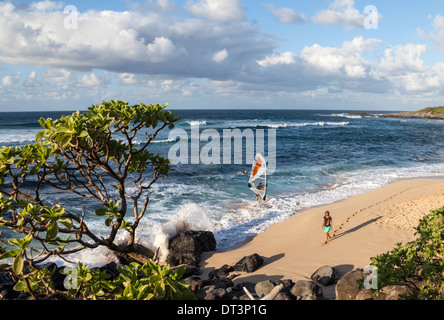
(427, 113)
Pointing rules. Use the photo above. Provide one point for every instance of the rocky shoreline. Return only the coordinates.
(219, 284)
(413, 115)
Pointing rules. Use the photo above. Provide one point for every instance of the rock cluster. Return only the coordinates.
(187, 247)
(220, 285)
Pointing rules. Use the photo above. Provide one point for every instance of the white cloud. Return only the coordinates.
(173, 56)
(128, 78)
(10, 79)
(286, 15)
(437, 34)
(162, 49)
(347, 60)
(220, 56)
(340, 12)
(404, 58)
(31, 80)
(132, 41)
(404, 67)
(276, 59)
(89, 80)
(218, 10)
(55, 76)
(46, 5)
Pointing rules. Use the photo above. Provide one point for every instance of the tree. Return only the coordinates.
(93, 156)
(419, 264)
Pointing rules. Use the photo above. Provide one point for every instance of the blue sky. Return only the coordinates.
(222, 54)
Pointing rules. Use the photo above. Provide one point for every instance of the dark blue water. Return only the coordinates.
(321, 157)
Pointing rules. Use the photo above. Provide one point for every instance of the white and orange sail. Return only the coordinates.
(258, 180)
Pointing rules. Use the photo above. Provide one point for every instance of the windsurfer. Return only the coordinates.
(260, 186)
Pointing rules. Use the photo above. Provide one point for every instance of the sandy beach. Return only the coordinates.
(364, 226)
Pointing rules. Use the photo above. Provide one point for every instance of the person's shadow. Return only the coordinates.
(362, 225)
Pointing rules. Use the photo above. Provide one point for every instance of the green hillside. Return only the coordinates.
(434, 111)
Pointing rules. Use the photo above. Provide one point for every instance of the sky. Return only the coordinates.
(222, 54)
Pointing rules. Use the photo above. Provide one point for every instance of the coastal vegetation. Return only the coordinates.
(92, 156)
(432, 110)
(426, 113)
(419, 264)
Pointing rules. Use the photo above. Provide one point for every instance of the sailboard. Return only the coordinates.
(258, 179)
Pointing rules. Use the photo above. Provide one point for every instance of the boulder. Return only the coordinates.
(394, 291)
(186, 247)
(325, 276)
(195, 283)
(221, 272)
(222, 282)
(206, 293)
(282, 296)
(347, 287)
(249, 264)
(303, 289)
(263, 288)
(220, 293)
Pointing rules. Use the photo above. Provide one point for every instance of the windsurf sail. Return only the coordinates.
(258, 180)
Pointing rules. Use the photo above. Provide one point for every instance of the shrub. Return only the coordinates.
(419, 264)
(94, 156)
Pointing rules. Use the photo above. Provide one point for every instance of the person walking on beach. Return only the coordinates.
(327, 224)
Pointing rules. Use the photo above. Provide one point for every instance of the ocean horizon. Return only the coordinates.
(322, 156)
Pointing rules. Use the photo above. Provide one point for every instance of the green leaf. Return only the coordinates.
(15, 242)
(109, 221)
(66, 222)
(20, 286)
(10, 254)
(64, 139)
(101, 212)
(52, 231)
(88, 277)
(39, 136)
(17, 265)
(26, 241)
(83, 134)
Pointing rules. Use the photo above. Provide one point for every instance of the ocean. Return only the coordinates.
(321, 157)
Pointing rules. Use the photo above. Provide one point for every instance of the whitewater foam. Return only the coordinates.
(292, 124)
(156, 235)
(196, 123)
(17, 137)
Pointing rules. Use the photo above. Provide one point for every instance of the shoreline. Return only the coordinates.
(251, 237)
(365, 225)
(413, 115)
